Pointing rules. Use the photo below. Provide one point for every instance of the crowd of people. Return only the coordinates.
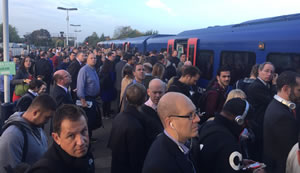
(162, 122)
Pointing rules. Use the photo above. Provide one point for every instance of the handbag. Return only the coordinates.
(21, 89)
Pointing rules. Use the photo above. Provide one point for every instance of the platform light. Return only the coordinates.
(261, 45)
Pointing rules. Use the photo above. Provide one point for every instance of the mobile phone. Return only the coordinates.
(254, 165)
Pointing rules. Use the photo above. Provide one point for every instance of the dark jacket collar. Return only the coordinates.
(232, 126)
(83, 164)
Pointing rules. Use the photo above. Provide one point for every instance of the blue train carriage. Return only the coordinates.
(159, 44)
(275, 39)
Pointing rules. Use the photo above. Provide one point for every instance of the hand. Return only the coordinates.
(247, 162)
(83, 103)
(27, 81)
(274, 80)
(259, 170)
(74, 90)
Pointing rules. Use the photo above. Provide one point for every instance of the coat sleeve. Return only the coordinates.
(11, 147)
(137, 150)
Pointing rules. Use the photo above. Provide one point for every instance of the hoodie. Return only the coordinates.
(12, 142)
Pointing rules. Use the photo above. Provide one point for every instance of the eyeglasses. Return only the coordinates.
(190, 116)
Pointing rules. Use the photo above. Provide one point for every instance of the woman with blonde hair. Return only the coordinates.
(236, 93)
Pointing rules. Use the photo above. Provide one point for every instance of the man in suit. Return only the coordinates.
(169, 152)
(260, 94)
(151, 119)
(128, 138)
(60, 91)
(280, 124)
(73, 69)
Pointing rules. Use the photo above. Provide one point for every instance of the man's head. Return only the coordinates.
(129, 58)
(174, 53)
(223, 76)
(288, 86)
(266, 71)
(62, 77)
(139, 72)
(91, 60)
(254, 71)
(190, 75)
(35, 85)
(81, 56)
(136, 94)
(156, 90)
(183, 57)
(16, 60)
(178, 115)
(41, 110)
(72, 56)
(111, 56)
(70, 130)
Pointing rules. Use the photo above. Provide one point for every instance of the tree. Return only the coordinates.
(151, 32)
(125, 32)
(40, 37)
(13, 34)
(92, 40)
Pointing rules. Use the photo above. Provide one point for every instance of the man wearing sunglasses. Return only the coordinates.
(170, 152)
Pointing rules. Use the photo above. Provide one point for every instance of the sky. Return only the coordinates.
(165, 16)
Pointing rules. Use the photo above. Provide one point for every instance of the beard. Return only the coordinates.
(293, 97)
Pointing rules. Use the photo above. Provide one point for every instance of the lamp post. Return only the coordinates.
(67, 9)
(75, 32)
(76, 36)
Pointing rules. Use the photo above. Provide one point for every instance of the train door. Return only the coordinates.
(124, 46)
(127, 47)
(112, 45)
(192, 50)
(171, 44)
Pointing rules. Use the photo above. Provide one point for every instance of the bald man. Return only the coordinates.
(169, 152)
(153, 125)
(60, 91)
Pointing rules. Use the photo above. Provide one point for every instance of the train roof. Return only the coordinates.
(287, 27)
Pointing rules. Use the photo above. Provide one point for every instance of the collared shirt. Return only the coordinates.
(33, 93)
(151, 104)
(79, 61)
(181, 146)
(87, 82)
(284, 101)
(66, 89)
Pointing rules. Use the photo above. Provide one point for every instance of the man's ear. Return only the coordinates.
(56, 138)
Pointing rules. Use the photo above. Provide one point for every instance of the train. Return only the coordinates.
(240, 46)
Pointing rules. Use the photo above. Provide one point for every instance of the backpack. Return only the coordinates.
(202, 99)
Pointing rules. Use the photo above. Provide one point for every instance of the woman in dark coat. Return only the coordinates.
(23, 76)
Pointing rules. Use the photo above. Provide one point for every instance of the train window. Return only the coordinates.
(204, 62)
(285, 61)
(191, 53)
(239, 62)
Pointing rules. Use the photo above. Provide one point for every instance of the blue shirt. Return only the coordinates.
(87, 82)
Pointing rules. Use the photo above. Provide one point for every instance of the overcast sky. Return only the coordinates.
(166, 16)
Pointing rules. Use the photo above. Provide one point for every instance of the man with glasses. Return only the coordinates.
(260, 93)
(170, 151)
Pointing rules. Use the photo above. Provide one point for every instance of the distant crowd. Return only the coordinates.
(162, 120)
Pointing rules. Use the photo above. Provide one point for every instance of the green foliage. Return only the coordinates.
(40, 37)
(13, 34)
(127, 32)
(93, 39)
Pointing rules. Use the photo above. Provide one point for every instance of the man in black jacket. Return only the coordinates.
(190, 76)
(218, 147)
(260, 94)
(169, 152)
(60, 91)
(128, 138)
(73, 69)
(151, 119)
(43, 67)
(280, 123)
(70, 150)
